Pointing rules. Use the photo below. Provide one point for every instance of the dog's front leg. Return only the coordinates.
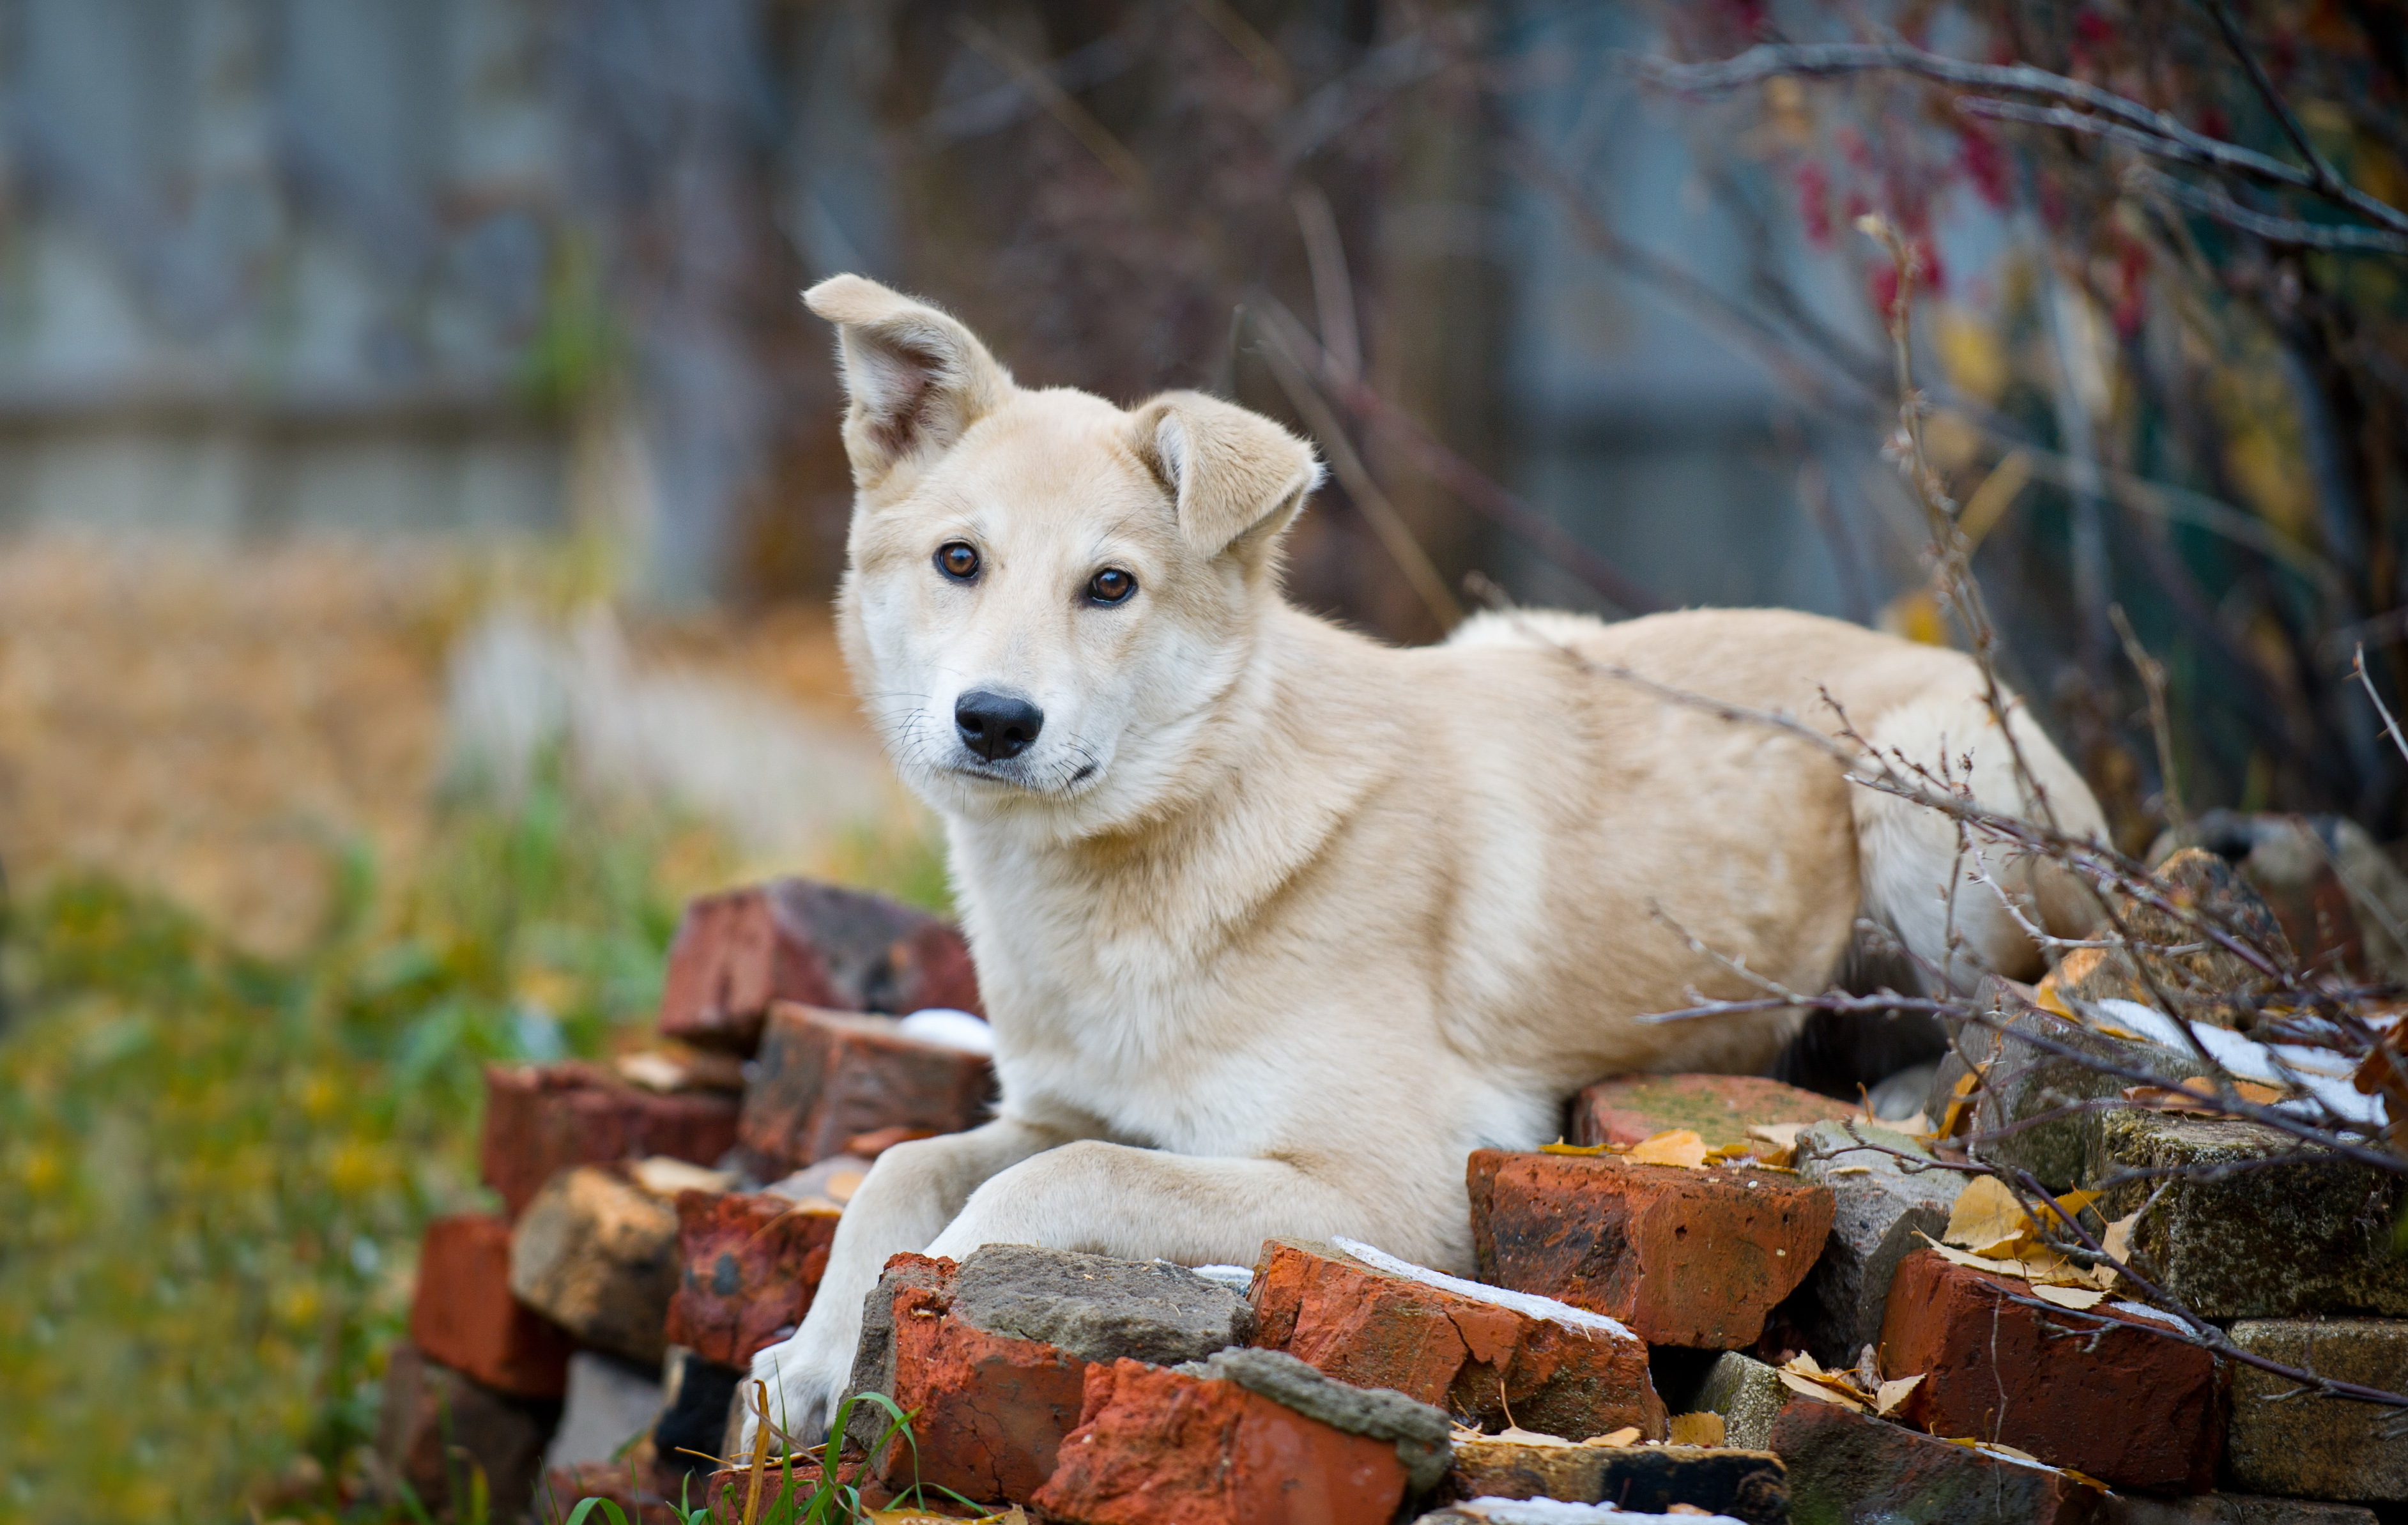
(910, 1193)
(1140, 1204)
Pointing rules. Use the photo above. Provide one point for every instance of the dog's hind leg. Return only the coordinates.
(1943, 893)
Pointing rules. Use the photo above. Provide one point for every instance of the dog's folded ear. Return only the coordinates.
(1236, 478)
(915, 379)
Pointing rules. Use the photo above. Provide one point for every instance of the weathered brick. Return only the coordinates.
(826, 1078)
(1240, 1440)
(1881, 1207)
(542, 1118)
(597, 1255)
(1849, 1466)
(747, 1265)
(462, 1316)
(1460, 1348)
(740, 951)
(1683, 1256)
(438, 1427)
(1750, 1485)
(2097, 1391)
(991, 1355)
(2320, 1448)
(1748, 1394)
(1719, 1109)
(2312, 1234)
(639, 1495)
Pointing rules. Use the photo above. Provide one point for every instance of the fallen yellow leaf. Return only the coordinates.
(1626, 1435)
(1704, 1428)
(1987, 1217)
(1520, 1437)
(1891, 1394)
(1825, 1392)
(1561, 1147)
(2068, 1296)
(1680, 1146)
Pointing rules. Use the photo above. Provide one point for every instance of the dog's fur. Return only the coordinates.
(1276, 923)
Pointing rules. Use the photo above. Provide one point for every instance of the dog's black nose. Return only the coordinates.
(996, 726)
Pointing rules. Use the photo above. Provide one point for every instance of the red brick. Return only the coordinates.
(541, 1119)
(462, 1315)
(825, 1077)
(1156, 1448)
(747, 1265)
(1849, 1466)
(1684, 1257)
(637, 1493)
(1720, 1109)
(730, 1487)
(1472, 1358)
(2114, 1400)
(739, 952)
(439, 1427)
(989, 1411)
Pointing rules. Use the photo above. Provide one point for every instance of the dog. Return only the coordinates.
(1276, 923)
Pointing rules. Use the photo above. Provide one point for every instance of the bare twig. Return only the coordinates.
(2153, 680)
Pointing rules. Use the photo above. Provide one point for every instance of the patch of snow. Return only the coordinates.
(2321, 1072)
(1528, 1304)
(1239, 1279)
(1557, 1512)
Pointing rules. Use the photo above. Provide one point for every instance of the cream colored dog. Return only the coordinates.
(1277, 924)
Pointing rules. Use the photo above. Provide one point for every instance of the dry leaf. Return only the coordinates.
(1561, 1147)
(1827, 1393)
(1804, 1365)
(1780, 1135)
(1960, 1100)
(1626, 1435)
(1704, 1428)
(1680, 1146)
(1520, 1437)
(1688, 1510)
(2068, 1296)
(1987, 1217)
(1894, 1393)
(2117, 1240)
(1850, 1170)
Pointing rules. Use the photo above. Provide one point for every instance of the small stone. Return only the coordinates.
(827, 1077)
(1098, 1308)
(1880, 1207)
(1204, 1445)
(438, 1425)
(1750, 1485)
(740, 951)
(542, 1118)
(1683, 1256)
(1748, 1394)
(1849, 1466)
(2312, 1234)
(2209, 984)
(2320, 1448)
(2098, 1392)
(1719, 1109)
(462, 1314)
(1459, 1346)
(597, 1255)
(748, 1266)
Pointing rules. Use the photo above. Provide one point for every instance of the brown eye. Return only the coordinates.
(957, 560)
(1111, 586)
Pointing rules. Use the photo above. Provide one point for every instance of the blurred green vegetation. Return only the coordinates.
(214, 1167)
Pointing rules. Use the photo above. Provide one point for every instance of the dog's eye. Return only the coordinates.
(958, 560)
(1111, 586)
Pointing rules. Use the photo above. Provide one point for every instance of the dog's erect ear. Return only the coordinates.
(915, 378)
(1238, 478)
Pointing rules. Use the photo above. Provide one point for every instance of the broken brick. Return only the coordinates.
(1749, 1485)
(1719, 1109)
(1683, 1256)
(1849, 1466)
(747, 1265)
(739, 952)
(1748, 1394)
(795, 1477)
(542, 1118)
(2309, 1234)
(2097, 1391)
(596, 1254)
(1205, 1444)
(826, 1078)
(439, 1427)
(1462, 1350)
(2284, 1441)
(991, 1356)
(462, 1316)
(1882, 1209)
(640, 1498)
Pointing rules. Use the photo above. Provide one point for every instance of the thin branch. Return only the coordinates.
(2153, 680)
(2287, 231)
(2390, 725)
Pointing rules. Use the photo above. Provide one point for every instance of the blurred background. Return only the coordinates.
(420, 492)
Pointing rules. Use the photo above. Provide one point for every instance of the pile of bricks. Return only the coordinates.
(1633, 1341)
(666, 1216)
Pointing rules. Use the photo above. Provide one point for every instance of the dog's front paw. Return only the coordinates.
(802, 1380)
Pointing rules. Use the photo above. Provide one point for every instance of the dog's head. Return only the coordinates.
(1048, 596)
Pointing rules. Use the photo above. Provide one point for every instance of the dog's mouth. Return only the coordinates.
(1018, 775)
